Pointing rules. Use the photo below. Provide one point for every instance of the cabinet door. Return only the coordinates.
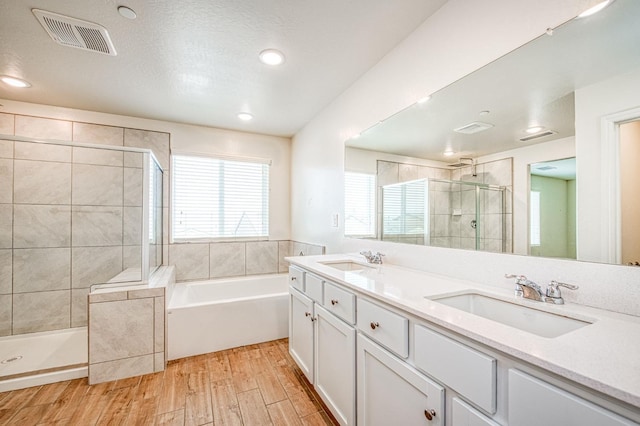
(335, 374)
(301, 317)
(391, 392)
(533, 402)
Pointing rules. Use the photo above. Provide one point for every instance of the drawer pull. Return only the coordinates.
(334, 302)
(374, 325)
(293, 278)
(430, 414)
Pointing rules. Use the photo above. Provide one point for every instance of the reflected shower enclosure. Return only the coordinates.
(445, 213)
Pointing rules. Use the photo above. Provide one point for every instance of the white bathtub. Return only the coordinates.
(209, 316)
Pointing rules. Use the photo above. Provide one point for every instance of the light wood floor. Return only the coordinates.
(251, 385)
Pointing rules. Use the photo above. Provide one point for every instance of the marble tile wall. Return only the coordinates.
(200, 261)
(70, 217)
(127, 333)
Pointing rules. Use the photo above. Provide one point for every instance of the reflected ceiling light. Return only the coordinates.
(127, 12)
(448, 153)
(271, 57)
(14, 82)
(423, 100)
(245, 116)
(356, 136)
(534, 129)
(595, 9)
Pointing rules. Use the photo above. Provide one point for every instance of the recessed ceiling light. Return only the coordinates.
(271, 57)
(448, 153)
(595, 9)
(245, 116)
(534, 129)
(483, 113)
(15, 82)
(127, 12)
(423, 100)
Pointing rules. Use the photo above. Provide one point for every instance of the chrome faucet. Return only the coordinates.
(529, 290)
(554, 295)
(526, 288)
(372, 258)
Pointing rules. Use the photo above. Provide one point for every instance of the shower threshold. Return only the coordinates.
(39, 358)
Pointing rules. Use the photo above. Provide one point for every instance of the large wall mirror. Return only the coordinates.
(534, 154)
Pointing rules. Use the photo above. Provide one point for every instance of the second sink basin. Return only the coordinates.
(346, 265)
(542, 323)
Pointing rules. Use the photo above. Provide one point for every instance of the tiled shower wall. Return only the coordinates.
(455, 231)
(47, 264)
(218, 260)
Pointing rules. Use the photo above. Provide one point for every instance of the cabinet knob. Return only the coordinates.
(374, 325)
(307, 314)
(334, 302)
(430, 414)
(293, 278)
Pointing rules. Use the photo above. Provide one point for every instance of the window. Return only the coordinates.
(219, 198)
(404, 210)
(534, 218)
(359, 204)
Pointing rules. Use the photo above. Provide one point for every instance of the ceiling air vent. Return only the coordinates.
(73, 32)
(474, 127)
(538, 135)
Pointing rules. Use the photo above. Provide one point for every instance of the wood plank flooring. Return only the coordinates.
(252, 385)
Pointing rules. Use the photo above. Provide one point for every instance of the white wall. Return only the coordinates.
(198, 139)
(461, 37)
(592, 103)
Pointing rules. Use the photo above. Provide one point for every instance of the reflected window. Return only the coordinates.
(359, 204)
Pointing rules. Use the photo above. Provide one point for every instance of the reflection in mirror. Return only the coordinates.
(629, 200)
(552, 209)
(539, 103)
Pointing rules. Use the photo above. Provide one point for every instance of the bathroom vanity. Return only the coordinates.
(387, 345)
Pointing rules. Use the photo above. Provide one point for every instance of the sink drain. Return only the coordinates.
(12, 359)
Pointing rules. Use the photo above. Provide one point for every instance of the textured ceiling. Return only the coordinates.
(197, 61)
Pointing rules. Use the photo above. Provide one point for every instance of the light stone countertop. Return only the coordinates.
(604, 355)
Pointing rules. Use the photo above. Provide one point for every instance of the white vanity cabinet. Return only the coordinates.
(324, 345)
(534, 402)
(301, 331)
(335, 378)
(390, 392)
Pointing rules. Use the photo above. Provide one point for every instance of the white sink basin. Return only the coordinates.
(346, 265)
(542, 323)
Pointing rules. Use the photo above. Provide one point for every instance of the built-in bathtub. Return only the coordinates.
(209, 316)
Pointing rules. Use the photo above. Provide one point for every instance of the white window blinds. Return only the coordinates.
(359, 204)
(219, 198)
(404, 210)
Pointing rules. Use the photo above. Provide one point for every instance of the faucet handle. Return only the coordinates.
(553, 289)
(519, 278)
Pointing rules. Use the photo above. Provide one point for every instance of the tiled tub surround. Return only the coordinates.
(127, 328)
(447, 229)
(601, 356)
(201, 261)
(70, 216)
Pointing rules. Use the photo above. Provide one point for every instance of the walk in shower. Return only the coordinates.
(446, 213)
(71, 215)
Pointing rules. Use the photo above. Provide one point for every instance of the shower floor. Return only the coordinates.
(39, 358)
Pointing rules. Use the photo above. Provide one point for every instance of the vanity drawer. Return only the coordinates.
(470, 373)
(340, 302)
(313, 287)
(464, 415)
(296, 278)
(386, 327)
